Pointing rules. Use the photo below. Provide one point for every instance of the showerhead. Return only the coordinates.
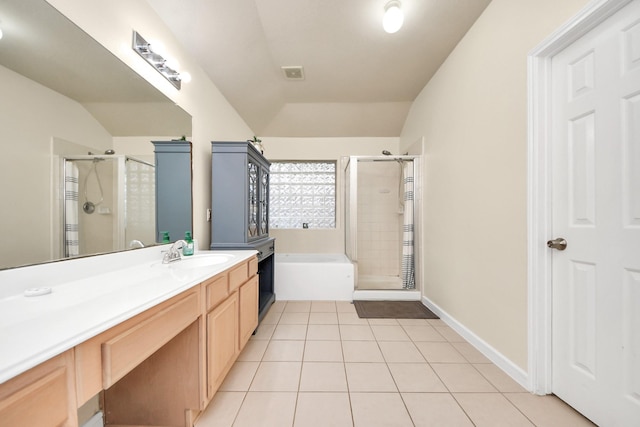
(110, 152)
(386, 152)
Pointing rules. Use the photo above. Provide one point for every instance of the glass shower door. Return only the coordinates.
(379, 229)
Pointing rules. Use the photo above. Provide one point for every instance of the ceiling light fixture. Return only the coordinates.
(393, 17)
(163, 65)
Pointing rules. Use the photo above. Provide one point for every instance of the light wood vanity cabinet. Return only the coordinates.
(122, 353)
(161, 367)
(43, 396)
(232, 316)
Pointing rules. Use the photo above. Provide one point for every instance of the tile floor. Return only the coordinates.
(318, 364)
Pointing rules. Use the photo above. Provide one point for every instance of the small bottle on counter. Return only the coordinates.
(165, 237)
(188, 248)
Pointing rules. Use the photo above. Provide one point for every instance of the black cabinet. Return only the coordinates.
(240, 207)
(174, 201)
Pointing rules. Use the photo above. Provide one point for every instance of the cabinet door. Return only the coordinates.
(264, 201)
(248, 310)
(222, 342)
(253, 196)
(43, 396)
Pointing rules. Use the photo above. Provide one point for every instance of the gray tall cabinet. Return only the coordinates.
(174, 200)
(240, 208)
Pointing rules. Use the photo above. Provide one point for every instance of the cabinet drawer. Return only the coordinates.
(216, 290)
(126, 351)
(238, 276)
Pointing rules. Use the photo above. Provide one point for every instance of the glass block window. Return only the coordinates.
(302, 194)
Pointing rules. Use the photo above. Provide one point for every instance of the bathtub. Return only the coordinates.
(310, 277)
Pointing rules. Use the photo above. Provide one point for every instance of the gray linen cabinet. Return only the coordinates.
(240, 208)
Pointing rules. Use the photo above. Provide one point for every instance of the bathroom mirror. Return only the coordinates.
(64, 96)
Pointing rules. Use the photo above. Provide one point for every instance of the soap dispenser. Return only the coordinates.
(188, 248)
(165, 237)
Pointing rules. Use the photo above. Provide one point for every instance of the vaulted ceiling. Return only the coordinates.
(358, 80)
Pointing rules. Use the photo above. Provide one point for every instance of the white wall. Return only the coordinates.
(111, 23)
(321, 241)
(474, 119)
(30, 115)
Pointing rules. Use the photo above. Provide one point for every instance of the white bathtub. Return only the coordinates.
(319, 277)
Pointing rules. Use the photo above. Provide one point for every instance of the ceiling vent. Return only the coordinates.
(293, 72)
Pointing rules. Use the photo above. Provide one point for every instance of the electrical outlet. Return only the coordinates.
(208, 215)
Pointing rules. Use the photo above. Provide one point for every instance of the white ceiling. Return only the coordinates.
(359, 80)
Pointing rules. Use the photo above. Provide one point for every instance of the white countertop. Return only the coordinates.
(88, 297)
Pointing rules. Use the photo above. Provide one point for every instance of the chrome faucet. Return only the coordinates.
(173, 254)
(136, 244)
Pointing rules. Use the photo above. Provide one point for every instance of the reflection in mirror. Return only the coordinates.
(109, 204)
(66, 101)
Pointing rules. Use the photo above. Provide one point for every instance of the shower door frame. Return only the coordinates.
(120, 183)
(351, 213)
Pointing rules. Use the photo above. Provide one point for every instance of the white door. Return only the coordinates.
(596, 208)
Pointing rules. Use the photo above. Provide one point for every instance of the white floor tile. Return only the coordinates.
(284, 351)
(491, 410)
(371, 377)
(379, 410)
(277, 376)
(222, 410)
(415, 378)
(267, 410)
(435, 410)
(323, 409)
(323, 376)
(323, 351)
(316, 363)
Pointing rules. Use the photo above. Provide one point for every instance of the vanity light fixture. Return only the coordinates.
(393, 17)
(156, 60)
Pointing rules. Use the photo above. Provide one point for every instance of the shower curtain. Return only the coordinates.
(71, 244)
(408, 260)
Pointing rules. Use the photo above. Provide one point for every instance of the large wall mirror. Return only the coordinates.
(75, 128)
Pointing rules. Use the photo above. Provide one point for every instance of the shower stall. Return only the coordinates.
(383, 225)
(108, 204)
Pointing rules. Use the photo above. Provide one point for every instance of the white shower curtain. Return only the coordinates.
(408, 261)
(71, 210)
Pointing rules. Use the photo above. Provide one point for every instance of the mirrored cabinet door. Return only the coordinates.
(264, 201)
(252, 226)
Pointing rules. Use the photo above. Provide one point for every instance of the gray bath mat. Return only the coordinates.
(393, 310)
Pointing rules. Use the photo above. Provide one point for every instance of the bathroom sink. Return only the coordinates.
(202, 260)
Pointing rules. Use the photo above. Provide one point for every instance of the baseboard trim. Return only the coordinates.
(515, 372)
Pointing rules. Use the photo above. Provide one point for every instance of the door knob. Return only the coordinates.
(559, 244)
